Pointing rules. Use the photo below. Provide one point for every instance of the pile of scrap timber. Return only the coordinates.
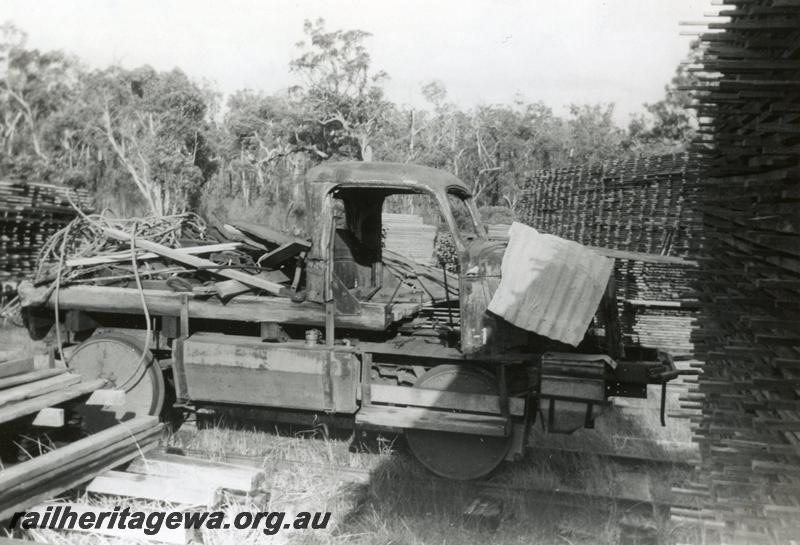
(163, 266)
(748, 484)
(644, 209)
(31, 213)
(407, 235)
(171, 252)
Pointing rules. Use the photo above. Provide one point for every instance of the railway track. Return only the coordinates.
(639, 504)
(638, 494)
(618, 458)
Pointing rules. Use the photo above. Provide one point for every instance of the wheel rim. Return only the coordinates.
(458, 456)
(118, 358)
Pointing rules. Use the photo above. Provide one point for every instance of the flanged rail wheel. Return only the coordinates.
(129, 366)
(458, 455)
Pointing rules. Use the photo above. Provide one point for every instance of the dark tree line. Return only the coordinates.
(155, 142)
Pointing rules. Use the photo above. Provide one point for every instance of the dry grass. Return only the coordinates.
(399, 503)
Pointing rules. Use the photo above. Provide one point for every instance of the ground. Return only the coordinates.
(396, 501)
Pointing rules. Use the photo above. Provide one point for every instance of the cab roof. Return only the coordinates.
(356, 173)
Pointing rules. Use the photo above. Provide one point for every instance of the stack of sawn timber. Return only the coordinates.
(407, 235)
(644, 205)
(657, 304)
(638, 205)
(30, 213)
(748, 483)
(26, 391)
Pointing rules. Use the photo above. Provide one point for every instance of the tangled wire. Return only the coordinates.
(86, 236)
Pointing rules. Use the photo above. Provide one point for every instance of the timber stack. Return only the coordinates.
(28, 390)
(35, 397)
(408, 235)
(639, 205)
(644, 205)
(748, 100)
(31, 213)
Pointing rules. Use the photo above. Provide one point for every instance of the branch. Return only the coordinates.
(309, 147)
(29, 111)
(144, 187)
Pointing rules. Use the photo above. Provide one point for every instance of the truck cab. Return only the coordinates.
(347, 232)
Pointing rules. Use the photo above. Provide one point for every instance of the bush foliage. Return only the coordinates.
(159, 142)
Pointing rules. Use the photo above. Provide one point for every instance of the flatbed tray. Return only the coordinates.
(243, 308)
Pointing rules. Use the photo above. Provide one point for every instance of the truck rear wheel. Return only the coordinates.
(458, 456)
(128, 365)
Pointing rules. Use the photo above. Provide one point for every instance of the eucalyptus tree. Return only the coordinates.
(342, 97)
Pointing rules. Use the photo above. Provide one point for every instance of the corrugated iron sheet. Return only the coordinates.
(550, 285)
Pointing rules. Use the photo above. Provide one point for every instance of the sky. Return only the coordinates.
(484, 52)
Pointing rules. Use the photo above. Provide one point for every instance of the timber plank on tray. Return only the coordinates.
(748, 285)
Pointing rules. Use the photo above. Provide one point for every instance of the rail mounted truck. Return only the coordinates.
(360, 335)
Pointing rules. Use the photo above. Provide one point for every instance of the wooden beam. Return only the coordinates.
(216, 474)
(16, 367)
(645, 257)
(31, 376)
(35, 389)
(244, 308)
(154, 487)
(421, 397)
(36, 404)
(282, 253)
(230, 288)
(270, 236)
(662, 304)
(48, 475)
(21, 475)
(125, 255)
(200, 263)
